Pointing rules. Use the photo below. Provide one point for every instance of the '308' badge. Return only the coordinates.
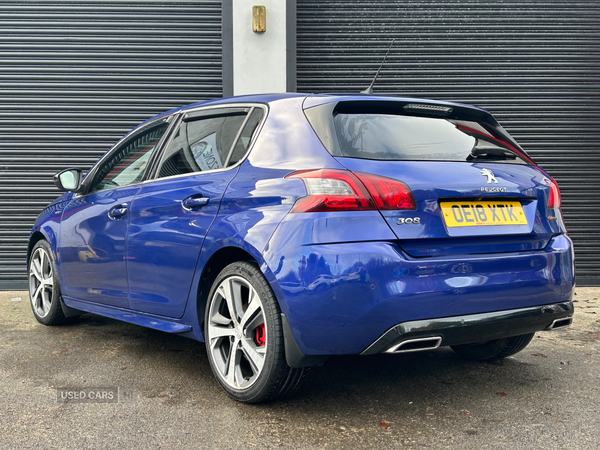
(408, 221)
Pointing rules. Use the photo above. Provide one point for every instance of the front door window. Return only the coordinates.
(128, 164)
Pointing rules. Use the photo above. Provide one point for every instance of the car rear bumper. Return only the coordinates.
(341, 298)
(474, 328)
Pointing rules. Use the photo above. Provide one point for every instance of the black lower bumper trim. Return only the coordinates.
(474, 328)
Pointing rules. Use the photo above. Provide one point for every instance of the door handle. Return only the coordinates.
(118, 211)
(195, 202)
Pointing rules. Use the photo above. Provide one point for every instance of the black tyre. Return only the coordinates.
(496, 349)
(44, 289)
(244, 336)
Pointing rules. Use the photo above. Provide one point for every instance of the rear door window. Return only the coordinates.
(201, 145)
(211, 140)
(247, 136)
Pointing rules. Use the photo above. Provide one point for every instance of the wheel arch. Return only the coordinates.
(213, 266)
(228, 255)
(35, 237)
(221, 258)
(47, 227)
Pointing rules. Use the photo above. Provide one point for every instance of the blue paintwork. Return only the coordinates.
(91, 248)
(342, 278)
(524, 183)
(341, 297)
(165, 239)
(47, 226)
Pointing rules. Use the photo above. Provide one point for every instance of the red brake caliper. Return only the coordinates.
(261, 338)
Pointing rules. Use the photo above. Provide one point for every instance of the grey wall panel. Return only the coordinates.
(74, 77)
(534, 64)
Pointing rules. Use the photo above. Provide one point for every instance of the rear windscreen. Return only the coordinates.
(405, 137)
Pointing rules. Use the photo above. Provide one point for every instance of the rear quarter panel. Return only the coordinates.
(259, 196)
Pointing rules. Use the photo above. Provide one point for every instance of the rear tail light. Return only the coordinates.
(554, 199)
(388, 193)
(342, 190)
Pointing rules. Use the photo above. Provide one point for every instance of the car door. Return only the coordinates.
(171, 214)
(94, 225)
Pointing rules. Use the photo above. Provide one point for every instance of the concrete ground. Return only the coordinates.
(547, 396)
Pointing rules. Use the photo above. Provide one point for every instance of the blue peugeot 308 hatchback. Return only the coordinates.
(282, 229)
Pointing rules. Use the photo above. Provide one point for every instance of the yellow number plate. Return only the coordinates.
(479, 213)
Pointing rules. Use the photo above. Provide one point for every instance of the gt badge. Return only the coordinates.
(408, 220)
(490, 176)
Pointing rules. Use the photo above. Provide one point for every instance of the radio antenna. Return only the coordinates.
(369, 90)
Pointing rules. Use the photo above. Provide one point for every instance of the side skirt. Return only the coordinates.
(125, 315)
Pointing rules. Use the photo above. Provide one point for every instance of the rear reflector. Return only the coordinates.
(554, 199)
(342, 190)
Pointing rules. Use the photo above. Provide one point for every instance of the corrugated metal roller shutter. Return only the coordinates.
(74, 77)
(534, 64)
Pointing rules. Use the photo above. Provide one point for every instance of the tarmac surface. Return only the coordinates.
(547, 396)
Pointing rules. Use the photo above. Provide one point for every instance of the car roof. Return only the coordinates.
(311, 100)
(321, 99)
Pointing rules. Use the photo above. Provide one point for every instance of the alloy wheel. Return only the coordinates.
(41, 282)
(237, 333)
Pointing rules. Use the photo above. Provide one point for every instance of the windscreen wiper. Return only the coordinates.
(487, 152)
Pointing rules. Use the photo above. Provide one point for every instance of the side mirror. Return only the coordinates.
(68, 180)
